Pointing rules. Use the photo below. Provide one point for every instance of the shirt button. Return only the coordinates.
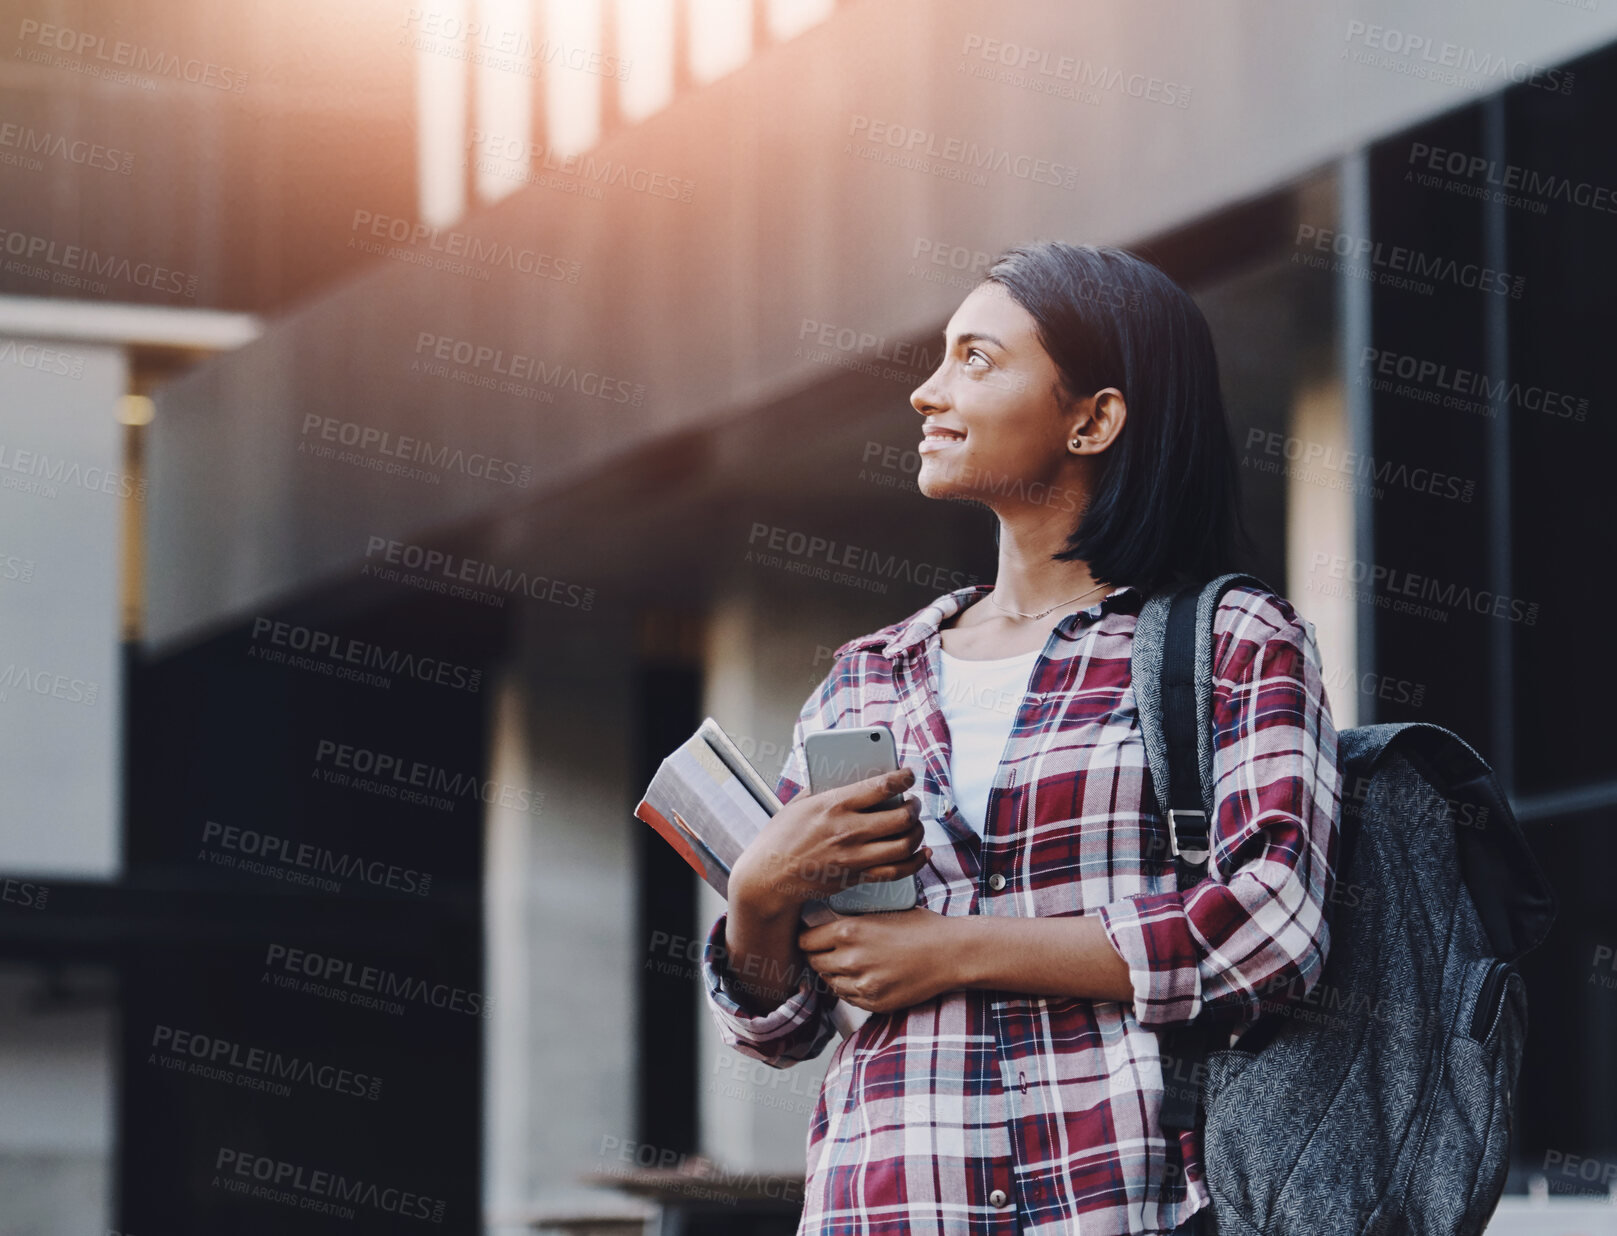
(996, 882)
(997, 1198)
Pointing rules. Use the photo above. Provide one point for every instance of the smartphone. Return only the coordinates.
(836, 758)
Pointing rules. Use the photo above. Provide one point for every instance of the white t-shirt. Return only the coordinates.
(980, 700)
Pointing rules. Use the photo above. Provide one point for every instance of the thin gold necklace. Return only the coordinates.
(1043, 612)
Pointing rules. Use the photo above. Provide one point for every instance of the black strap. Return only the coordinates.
(1185, 1047)
(1188, 825)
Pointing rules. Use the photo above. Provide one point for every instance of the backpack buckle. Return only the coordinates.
(1196, 848)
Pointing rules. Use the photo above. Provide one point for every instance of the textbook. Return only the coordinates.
(708, 801)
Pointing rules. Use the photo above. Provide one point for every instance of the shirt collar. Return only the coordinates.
(925, 624)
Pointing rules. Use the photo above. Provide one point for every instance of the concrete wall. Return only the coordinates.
(560, 909)
(56, 1121)
(61, 480)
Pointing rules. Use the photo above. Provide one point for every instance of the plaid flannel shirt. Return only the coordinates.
(990, 1112)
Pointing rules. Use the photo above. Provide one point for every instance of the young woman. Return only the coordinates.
(1012, 1076)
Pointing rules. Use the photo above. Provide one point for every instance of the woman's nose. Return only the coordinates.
(925, 398)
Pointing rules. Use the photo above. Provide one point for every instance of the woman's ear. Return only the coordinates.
(1100, 418)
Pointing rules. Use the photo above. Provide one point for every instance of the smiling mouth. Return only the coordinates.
(936, 438)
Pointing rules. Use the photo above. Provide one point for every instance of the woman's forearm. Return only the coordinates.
(834, 835)
(763, 965)
(1059, 956)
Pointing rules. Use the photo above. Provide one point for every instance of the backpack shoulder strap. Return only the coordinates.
(1172, 672)
(1188, 808)
(1172, 669)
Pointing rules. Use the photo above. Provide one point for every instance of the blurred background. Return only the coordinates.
(414, 418)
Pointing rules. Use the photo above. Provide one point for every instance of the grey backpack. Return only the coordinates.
(1381, 1103)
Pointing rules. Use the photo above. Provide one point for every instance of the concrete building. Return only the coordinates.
(572, 408)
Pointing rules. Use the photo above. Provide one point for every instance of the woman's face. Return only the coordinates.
(995, 428)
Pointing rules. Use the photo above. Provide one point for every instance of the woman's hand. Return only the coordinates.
(819, 844)
(883, 962)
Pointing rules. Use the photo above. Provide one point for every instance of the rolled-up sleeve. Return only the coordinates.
(794, 1030)
(799, 1027)
(1257, 926)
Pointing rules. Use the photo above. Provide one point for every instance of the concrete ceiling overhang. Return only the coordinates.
(687, 315)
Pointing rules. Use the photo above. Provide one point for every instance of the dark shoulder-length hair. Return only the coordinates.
(1165, 510)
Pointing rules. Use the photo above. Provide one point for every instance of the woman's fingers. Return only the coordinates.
(825, 965)
(898, 870)
(886, 850)
(861, 826)
(819, 939)
(872, 790)
(884, 843)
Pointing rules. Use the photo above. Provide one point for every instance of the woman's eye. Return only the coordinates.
(975, 355)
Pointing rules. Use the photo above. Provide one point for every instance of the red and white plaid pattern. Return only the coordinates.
(929, 1115)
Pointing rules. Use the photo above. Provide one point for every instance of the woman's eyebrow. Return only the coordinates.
(974, 336)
